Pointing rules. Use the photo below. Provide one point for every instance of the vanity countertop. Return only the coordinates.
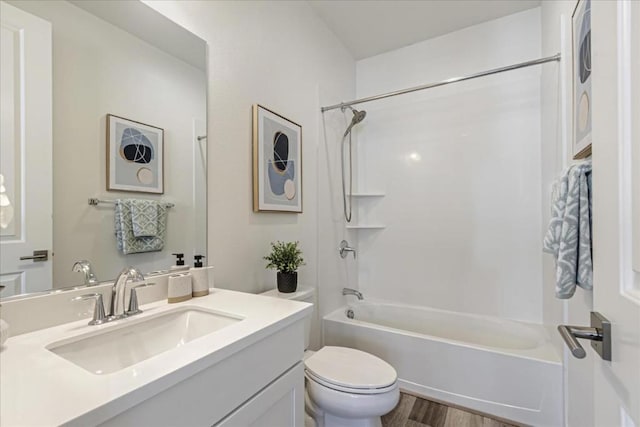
(38, 387)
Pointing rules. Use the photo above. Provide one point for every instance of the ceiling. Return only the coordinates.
(371, 27)
(145, 23)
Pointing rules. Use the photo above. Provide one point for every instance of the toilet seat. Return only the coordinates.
(349, 390)
(351, 371)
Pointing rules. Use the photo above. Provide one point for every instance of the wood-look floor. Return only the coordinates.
(416, 412)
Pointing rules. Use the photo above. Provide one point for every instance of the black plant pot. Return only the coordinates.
(287, 282)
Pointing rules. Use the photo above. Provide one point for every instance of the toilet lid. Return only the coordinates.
(351, 368)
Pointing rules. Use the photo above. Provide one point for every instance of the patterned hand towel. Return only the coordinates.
(569, 236)
(127, 242)
(144, 217)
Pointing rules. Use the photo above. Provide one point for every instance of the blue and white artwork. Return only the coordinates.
(277, 162)
(135, 156)
(582, 100)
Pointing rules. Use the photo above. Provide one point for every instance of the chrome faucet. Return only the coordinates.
(344, 248)
(118, 310)
(84, 267)
(349, 291)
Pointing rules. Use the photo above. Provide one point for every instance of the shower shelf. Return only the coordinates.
(365, 200)
(366, 227)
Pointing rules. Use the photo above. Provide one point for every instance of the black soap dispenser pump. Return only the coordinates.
(179, 266)
(197, 261)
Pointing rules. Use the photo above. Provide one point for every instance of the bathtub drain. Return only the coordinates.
(350, 314)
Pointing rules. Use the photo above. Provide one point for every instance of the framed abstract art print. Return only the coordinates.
(277, 162)
(135, 156)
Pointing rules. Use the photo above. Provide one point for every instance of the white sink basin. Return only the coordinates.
(131, 343)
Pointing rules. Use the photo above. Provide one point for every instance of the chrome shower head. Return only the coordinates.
(358, 116)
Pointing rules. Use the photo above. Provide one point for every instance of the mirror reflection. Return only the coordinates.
(128, 122)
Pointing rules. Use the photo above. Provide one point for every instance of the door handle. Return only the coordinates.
(38, 256)
(599, 333)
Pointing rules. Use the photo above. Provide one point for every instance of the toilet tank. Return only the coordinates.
(304, 294)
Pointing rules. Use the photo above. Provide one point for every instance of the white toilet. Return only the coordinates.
(344, 387)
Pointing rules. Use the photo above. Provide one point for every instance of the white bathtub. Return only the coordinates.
(496, 366)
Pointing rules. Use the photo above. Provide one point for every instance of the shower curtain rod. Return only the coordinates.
(555, 57)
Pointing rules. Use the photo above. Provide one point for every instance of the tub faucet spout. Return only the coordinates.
(349, 291)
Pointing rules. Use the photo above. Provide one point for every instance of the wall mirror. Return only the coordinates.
(89, 60)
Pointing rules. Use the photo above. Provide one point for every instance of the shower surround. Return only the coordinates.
(461, 173)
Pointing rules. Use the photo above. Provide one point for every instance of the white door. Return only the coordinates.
(616, 209)
(25, 150)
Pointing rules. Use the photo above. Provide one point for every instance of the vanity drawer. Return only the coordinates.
(279, 404)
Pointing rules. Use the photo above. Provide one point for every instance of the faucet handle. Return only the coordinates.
(133, 300)
(99, 316)
(344, 248)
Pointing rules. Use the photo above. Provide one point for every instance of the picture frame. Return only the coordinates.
(135, 156)
(277, 162)
(581, 78)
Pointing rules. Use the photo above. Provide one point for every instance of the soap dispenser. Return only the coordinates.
(179, 287)
(200, 277)
(179, 264)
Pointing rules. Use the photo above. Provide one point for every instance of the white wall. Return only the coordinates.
(100, 69)
(460, 166)
(556, 113)
(282, 56)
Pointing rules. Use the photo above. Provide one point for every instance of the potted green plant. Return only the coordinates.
(285, 257)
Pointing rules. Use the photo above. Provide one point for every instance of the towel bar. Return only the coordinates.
(95, 202)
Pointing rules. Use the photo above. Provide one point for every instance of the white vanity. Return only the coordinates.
(228, 359)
